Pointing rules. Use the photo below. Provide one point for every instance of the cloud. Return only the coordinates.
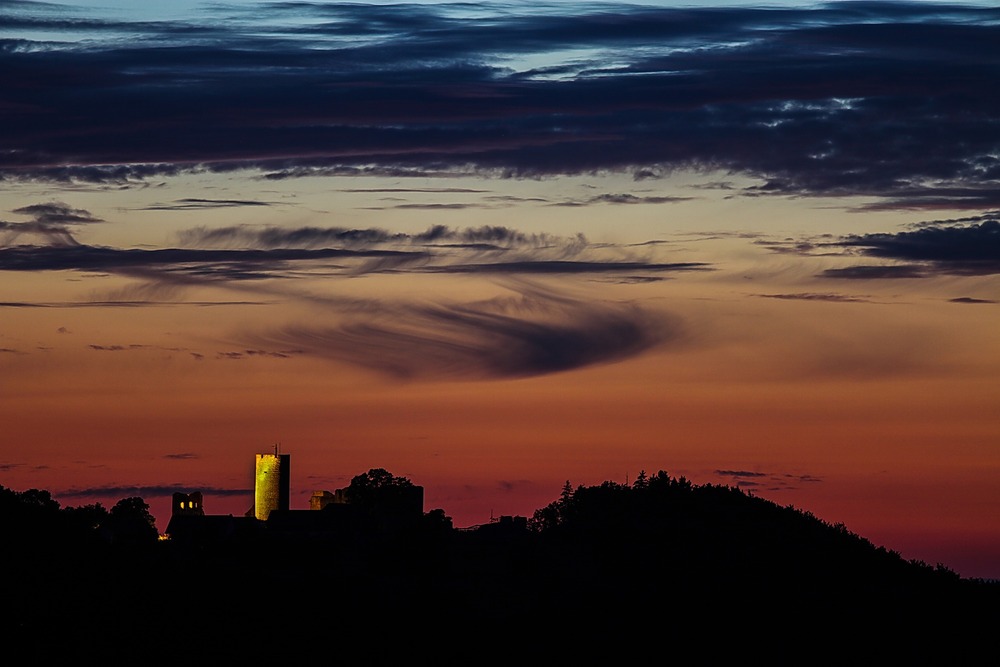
(771, 480)
(51, 223)
(124, 304)
(57, 213)
(204, 264)
(150, 491)
(135, 347)
(427, 207)
(874, 272)
(970, 249)
(938, 198)
(513, 486)
(191, 203)
(740, 473)
(624, 198)
(969, 299)
(768, 481)
(537, 333)
(244, 354)
(890, 100)
(229, 256)
(272, 237)
(811, 248)
(417, 190)
(566, 266)
(814, 296)
(968, 246)
(633, 280)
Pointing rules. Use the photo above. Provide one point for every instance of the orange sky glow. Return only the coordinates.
(491, 334)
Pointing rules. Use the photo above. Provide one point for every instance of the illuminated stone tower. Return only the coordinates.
(270, 484)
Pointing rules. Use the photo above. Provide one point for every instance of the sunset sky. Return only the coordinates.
(496, 246)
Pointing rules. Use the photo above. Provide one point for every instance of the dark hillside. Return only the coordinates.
(661, 565)
(665, 556)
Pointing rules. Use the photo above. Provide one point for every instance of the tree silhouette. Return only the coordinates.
(436, 522)
(377, 487)
(130, 523)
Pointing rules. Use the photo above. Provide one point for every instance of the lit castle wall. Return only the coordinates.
(271, 484)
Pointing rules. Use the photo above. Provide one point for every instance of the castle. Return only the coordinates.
(330, 515)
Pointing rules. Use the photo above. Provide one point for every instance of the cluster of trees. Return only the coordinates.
(35, 519)
(720, 536)
(379, 493)
(377, 486)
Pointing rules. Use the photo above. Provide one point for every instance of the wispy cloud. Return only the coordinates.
(767, 481)
(239, 254)
(815, 296)
(191, 203)
(57, 213)
(201, 263)
(272, 237)
(566, 266)
(246, 354)
(123, 304)
(50, 222)
(536, 333)
(969, 299)
(623, 198)
(877, 272)
(740, 473)
(417, 190)
(150, 491)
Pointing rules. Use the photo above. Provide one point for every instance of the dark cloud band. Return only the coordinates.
(956, 249)
(896, 100)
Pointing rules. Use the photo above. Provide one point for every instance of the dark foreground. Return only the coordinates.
(666, 571)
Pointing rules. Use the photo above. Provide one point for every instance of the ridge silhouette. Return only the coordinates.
(637, 568)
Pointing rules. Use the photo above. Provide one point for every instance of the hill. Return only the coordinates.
(659, 567)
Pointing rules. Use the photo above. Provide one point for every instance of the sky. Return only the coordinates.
(494, 247)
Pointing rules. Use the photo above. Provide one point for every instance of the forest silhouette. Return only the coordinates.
(660, 567)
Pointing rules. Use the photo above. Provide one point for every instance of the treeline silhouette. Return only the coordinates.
(659, 567)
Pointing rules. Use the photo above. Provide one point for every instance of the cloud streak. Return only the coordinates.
(537, 333)
(229, 255)
(192, 203)
(205, 263)
(271, 237)
(768, 481)
(816, 296)
(151, 491)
